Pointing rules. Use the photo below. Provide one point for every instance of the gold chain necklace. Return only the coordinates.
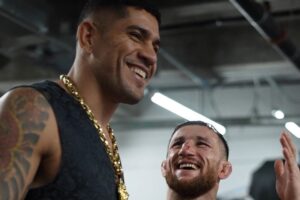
(112, 154)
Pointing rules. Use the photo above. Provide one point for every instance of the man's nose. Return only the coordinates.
(187, 148)
(149, 55)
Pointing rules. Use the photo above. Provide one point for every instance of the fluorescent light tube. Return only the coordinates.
(184, 112)
(293, 128)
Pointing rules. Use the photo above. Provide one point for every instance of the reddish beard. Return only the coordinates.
(194, 187)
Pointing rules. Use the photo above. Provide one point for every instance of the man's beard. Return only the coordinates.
(194, 187)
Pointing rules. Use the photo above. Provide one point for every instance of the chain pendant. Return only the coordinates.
(123, 194)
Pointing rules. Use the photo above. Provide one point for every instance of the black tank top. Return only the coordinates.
(86, 172)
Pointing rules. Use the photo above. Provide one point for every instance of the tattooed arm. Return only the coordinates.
(25, 120)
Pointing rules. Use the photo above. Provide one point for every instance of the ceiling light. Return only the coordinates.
(278, 114)
(293, 128)
(182, 111)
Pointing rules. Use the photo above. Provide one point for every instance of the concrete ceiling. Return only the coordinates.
(207, 47)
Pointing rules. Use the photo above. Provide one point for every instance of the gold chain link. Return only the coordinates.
(114, 153)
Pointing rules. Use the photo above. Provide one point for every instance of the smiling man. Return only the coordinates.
(55, 138)
(197, 160)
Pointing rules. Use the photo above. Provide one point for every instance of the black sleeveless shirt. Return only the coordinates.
(86, 172)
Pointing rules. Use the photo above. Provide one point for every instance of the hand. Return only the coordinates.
(287, 173)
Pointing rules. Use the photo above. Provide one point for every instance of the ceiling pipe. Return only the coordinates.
(261, 19)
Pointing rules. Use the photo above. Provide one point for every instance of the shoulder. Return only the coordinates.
(21, 94)
(25, 112)
(25, 105)
(26, 115)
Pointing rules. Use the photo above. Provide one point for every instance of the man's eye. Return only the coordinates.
(176, 144)
(201, 144)
(136, 35)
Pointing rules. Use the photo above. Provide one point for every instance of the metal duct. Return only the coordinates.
(261, 19)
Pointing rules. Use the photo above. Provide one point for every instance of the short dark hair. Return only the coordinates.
(119, 5)
(201, 123)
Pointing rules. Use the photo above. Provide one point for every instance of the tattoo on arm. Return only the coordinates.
(21, 124)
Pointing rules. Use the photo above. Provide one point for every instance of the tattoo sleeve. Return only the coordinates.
(22, 120)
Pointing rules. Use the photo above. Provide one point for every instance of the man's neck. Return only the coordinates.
(99, 103)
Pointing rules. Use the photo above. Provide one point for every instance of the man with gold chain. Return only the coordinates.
(55, 137)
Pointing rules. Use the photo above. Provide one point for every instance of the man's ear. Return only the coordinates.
(163, 168)
(84, 35)
(225, 169)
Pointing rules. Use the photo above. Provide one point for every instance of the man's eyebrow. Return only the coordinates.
(200, 138)
(178, 139)
(145, 33)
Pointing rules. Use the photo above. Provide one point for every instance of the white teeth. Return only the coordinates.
(139, 72)
(187, 165)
